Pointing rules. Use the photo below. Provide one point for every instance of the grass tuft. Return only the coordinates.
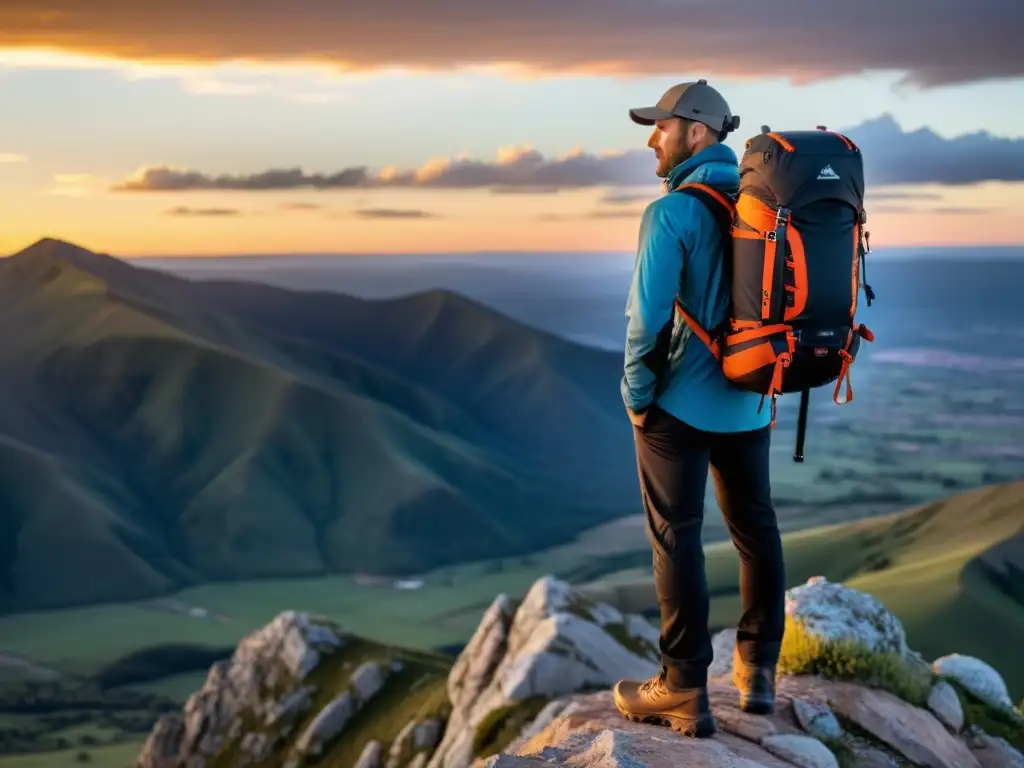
(806, 654)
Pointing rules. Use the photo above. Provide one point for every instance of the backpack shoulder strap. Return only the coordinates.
(724, 210)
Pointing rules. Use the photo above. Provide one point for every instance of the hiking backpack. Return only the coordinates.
(794, 255)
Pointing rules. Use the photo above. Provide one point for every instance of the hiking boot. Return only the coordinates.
(756, 685)
(685, 710)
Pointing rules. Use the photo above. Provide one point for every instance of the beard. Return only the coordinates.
(680, 154)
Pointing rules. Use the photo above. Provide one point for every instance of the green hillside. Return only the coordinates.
(158, 433)
(951, 571)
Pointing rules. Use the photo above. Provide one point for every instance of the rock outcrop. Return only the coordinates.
(838, 613)
(977, 677)
(532, 690)
(555, 643)
(287, 695)
(262, 680)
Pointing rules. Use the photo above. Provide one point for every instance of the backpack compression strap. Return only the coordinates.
(723, 209)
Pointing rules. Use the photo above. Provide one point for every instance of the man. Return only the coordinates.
(688, 418)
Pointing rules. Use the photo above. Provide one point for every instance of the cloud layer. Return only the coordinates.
(940, 42)
(891, 157)
(186, 211)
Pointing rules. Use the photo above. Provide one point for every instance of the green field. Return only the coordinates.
(111, 756)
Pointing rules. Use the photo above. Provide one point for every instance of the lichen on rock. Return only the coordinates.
(977, 677)
(839, 613)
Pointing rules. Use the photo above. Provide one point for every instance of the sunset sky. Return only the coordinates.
(144, 128)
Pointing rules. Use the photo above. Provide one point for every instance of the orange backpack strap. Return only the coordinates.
(713, 344)
(724, 211)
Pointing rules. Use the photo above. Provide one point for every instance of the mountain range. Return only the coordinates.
(158, 432)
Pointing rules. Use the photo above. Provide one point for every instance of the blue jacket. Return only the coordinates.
(679, 253)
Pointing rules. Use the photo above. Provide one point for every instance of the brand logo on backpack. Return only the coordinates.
(828, 173)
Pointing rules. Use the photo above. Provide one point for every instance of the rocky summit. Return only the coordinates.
(532, 690)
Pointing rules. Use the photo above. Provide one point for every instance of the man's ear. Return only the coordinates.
(698, 132)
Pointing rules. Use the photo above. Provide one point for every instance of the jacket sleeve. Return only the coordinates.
(649, 309)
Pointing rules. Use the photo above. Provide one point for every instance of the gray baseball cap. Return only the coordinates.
(694, 101)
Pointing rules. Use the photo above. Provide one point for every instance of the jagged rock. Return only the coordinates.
(328, 723)
(815, 717)
(992, 751)
(401, 745)
(867, 755)
(597, 736)
(555, 643)
(368, 679)
(504, 760)
(837, 612)
(282, 712)
(162, 744)
(256, 745)
(427, 733)
(802, 751)
(977, 677)
(943, 701)
(370, 756)
(550, 711)
(912, 732)
(282, 653)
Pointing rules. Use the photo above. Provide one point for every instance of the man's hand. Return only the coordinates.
(637, 419)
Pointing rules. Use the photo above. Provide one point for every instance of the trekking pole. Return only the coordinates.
(801, 426)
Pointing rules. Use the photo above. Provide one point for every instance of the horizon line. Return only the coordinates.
(535, 252)
(884, 251)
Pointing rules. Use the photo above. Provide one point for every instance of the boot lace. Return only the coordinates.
(652, 684)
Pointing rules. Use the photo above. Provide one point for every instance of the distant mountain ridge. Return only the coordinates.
(159, 432)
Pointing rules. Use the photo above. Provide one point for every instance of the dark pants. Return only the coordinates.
(673, 461)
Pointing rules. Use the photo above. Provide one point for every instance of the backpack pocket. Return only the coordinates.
(753, 359)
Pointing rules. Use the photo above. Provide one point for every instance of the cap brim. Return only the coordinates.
(649, 115)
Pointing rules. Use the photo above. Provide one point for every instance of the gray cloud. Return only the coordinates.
(940, 210)
(941, 42)
(891, 157)
(183, 210)
(874, 195)
(166, 179)
(394, 213)
(954, 210)
(626, 198)
(597, 214)
(301, 206)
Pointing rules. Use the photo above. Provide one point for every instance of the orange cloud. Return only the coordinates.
(891, 157)
(946, 41)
